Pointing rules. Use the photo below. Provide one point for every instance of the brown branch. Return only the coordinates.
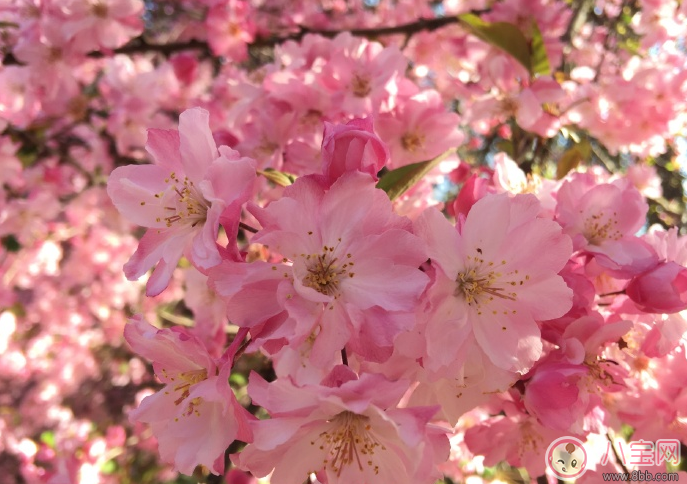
(140, 45)
(408, 29)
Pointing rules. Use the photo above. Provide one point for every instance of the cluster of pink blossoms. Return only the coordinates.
(319, 91)
(538, 302)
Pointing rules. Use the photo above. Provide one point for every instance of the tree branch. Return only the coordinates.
(140, 45)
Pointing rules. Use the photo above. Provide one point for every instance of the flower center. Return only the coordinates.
(482, 283)
(412, 142)
(474, 286)
(349, 440)
(598, 228)
(99, 9)
(187, 379)
(360, 86)
(191, 208)
(325, 271)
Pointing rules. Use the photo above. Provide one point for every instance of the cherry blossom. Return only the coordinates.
(189, 415)
(345, 429)
(487, 288)
(182, 207)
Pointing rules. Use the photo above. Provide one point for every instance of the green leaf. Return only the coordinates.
(48, 438)
(238, 379)
(10, 243)
(503, 35)
(572, 157)
(506, 146)
(278, 177)
(539, 61)
(109, 467)
(396, 182)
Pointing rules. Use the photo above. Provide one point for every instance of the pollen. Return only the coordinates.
(188, 379)
(325, 272)
(412, 142)
(360, 86)
(190, 208)
(349, 441)
(479, 287)
(599, 227)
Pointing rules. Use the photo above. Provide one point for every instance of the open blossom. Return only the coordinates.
(101, 23)
(602, 219)
(195, 416)
(496, 275)
(419, 129)
(349, 274)
(230, 29)
(183, 198)
(564, 388)
(347, 430)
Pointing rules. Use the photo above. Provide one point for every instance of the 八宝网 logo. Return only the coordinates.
(566, 457)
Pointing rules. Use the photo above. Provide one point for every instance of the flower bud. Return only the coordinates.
(352, 147)
(662, 289)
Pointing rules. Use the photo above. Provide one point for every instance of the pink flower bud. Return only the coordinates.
(473, 190)
(662, 289)
(352, 147)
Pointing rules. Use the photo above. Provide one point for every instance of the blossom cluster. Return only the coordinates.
(539, 303)
(385, 245)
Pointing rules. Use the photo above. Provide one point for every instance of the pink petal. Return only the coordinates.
(163, 145)
(197, 146)
(133, 188)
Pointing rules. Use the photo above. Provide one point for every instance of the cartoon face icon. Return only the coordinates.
(567, 458)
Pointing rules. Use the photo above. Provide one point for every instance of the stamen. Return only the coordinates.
(324, 274)
(349, 441)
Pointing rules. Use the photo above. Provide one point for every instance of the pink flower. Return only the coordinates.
(346, 430)
(496, 275)
(230, 28)
(662, 289)
(420, 128)
(182, 199)
(555, 395)
(349, 273)
(195, 416)
(513, 436)
(353, 146)
(101, 23)
(602, 220)
(361, 75)
(475, 188)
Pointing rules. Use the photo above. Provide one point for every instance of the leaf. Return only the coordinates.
(506, 146)
(503, 35)
(278, 177)
(10, 243)
(396, 182)
(48, 438)
(572, 157)
(539, 60)
(109, 467)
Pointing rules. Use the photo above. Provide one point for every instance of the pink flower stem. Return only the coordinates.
(237, 346)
